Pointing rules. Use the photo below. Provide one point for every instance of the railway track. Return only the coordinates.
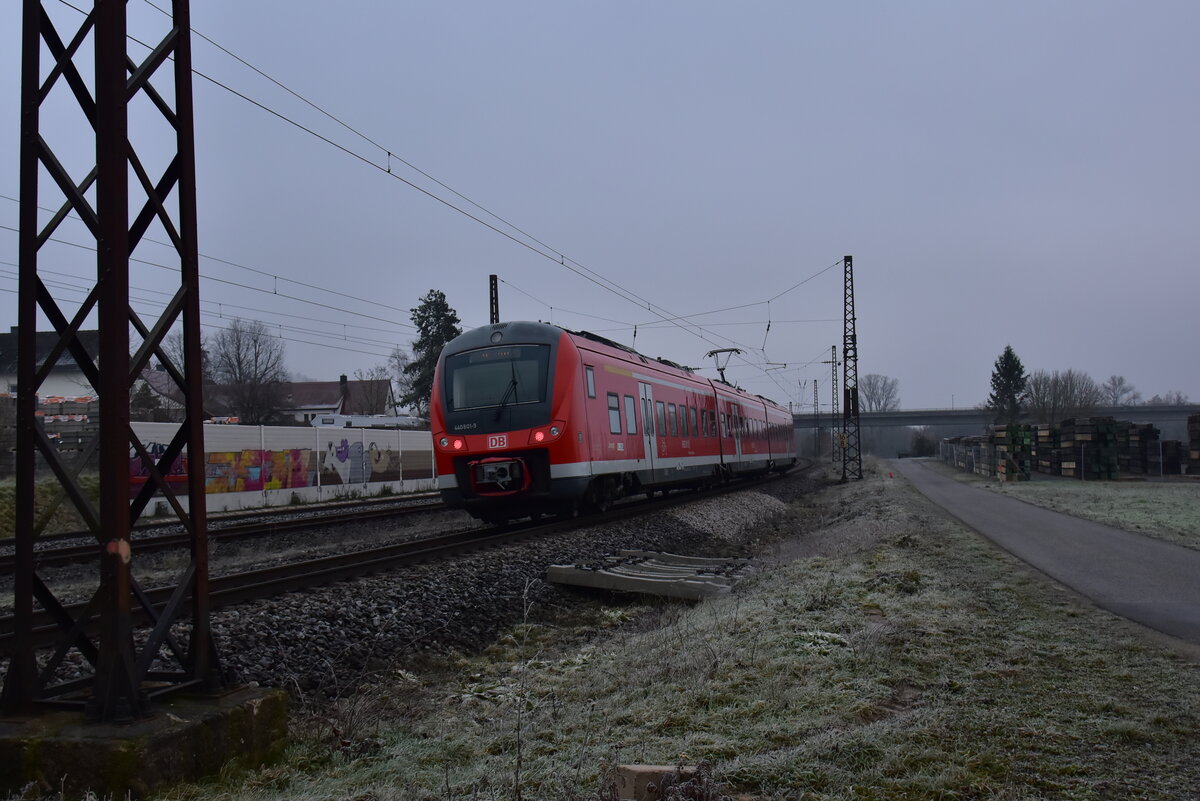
(267, 582)
(422, 504)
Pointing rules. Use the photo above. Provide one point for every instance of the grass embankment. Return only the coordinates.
(887, 653)
(1167, 511)
(47, 495)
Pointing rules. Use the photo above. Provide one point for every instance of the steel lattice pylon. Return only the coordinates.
(125, 675)
(852, 450)
(835, 431)
(493, 299)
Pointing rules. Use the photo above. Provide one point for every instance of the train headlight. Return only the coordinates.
(547, 434)
(445, 443)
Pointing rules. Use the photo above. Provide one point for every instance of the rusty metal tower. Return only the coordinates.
(852, 444)
(125, 674)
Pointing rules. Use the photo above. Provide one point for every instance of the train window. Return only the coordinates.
(724, 426)
(630, 415)
(683, 422)
(695, 430)
(672, 417)
(661, 411)
(647, 417)
(614, 413)
(712, 424)
(497, 377)
(591, 380)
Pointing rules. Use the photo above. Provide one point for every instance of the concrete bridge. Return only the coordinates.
(978, 418)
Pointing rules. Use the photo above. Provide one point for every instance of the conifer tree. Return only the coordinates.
(436, 324)
(1008, 387)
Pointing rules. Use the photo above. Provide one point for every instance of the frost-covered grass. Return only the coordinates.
(1168, 511)
(47, 496)
(885, 653)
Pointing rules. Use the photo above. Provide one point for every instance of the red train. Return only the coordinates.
(528, 418)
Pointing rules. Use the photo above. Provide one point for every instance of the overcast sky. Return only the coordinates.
(1020, 173)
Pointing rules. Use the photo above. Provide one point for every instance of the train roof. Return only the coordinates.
(531, 332)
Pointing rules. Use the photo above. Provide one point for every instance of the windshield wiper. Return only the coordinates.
(511, 391)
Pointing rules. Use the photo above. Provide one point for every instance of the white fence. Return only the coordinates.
(251, 466)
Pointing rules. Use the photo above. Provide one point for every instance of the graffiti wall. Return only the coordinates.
(258, 459)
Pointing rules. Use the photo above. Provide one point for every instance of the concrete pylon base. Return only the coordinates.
(186, 737)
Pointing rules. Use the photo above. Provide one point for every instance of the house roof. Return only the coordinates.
(324, 396)
(328, 395)
(46, 340)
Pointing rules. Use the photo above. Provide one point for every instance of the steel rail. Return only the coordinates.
(226, 517)
(268, 582)
(77, 553)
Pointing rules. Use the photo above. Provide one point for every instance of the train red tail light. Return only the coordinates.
(547, 433)
(458, 444)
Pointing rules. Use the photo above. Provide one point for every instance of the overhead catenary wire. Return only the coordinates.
(145, 303)
(546, 251)
(226, 281)
(267, 332)
(598, 279)
(274, 276)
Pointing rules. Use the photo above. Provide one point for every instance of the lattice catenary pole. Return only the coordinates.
(852, 450)
(835, 430)
(123, 680)
(493, 299)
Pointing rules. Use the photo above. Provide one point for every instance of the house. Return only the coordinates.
(299, 401)
(304, 400)
(66, 379)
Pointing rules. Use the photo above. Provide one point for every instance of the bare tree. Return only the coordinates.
(879, 393)
(248, 363)
(397, 362)
(1171, 398)
(1116, 391)
(375, 388)
(173, 345)
(1052, 397)
(924, 441)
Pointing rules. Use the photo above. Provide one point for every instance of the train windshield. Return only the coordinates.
(497, 377)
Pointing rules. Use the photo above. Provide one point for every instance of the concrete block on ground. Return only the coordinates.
(186, 737)
(642, 782)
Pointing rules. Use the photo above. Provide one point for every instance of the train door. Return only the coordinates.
(735, 430)
(649, 435)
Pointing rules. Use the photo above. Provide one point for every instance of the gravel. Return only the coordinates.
(325, 641)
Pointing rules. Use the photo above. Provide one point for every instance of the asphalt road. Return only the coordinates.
(1149, 581)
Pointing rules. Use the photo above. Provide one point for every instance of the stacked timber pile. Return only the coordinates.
(986, 457)
(1136, 443)
(1091, 448)
(70, 423)
(1046, 454)
(1194, 443)
(1020, 451)
(1012, 451)
(1164, 458)
(968, 452)
(960, 453)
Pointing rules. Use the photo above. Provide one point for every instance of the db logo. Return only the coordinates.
(500, 441)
